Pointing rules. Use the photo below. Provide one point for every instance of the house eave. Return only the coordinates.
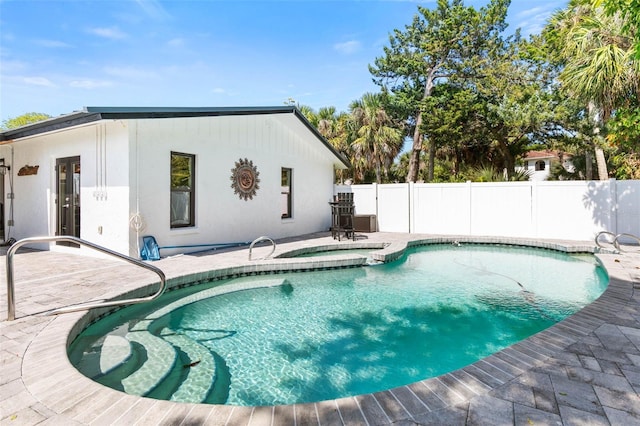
(92, 114)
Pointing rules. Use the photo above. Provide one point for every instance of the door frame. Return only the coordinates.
(67, 199)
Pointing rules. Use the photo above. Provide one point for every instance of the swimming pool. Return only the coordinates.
(300, 337)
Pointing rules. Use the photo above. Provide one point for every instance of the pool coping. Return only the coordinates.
(457, 396)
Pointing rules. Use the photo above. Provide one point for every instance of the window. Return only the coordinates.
(285, 191)
(182, 190)
(540, 165)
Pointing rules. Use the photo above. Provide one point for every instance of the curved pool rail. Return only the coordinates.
(11, 303)
(600, 234)
(259, 239)
(615, 239)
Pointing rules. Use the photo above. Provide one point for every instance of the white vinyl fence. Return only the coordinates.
(575, 210)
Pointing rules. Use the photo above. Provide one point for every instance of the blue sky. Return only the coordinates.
(59, 56)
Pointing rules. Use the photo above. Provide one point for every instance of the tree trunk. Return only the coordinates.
(588, 166)
(432, 159)
(603, 174)
(598, 121)
(509, 161)
(414, 159)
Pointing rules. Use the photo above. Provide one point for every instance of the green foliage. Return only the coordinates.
(520, 175)
(626, 165)
(377, 139)
(624, 139)
(484, 174)
(630, 11)
(23, 120)
(624, 129)
(450, 42)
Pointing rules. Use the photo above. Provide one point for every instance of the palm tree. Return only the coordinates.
(377, 139)
(599, 63)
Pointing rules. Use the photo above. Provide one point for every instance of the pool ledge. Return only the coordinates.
(584, 369)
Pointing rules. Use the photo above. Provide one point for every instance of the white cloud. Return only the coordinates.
(52, 43)
(347, 47)
(176, 42)
(113, 33)
(130, 73)
(14, 66)
(38, 81)
(219, 90)
(154, 9)
(89, 84)
(532, 21)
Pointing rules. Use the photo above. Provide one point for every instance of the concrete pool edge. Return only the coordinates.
(50, 378)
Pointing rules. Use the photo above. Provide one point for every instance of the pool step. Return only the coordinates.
(154, 361)
(103, 356)
(160, 360)
(199, 366)
(119, 359)
(169, 366)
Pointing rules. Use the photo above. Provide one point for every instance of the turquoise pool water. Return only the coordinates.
(302, 337)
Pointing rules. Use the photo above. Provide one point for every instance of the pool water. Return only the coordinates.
(302, 337)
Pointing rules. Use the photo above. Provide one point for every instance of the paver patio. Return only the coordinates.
(584, 370)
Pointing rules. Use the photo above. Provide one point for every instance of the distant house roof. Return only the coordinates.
(544, 154)
(91, 114)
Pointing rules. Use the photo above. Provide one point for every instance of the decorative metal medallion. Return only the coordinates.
(244, 179)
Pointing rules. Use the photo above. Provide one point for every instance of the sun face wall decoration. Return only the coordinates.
(244, 179)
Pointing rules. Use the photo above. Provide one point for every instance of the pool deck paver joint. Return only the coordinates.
(583, 370)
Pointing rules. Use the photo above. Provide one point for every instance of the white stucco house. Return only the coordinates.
(538, 163)
(186, 176)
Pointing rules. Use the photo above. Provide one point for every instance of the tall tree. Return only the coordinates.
(600, 67)
(378, 140)
(448, 42)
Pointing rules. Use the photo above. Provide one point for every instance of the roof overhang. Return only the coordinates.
(93, 114)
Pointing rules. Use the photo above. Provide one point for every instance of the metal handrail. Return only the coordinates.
(83, 306)
(257, 240)
(604, 233)
(616, 243)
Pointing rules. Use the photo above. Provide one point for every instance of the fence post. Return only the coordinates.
(469, 194)
(615, 206)
(412, 216)
(534, 208)
(375, 194)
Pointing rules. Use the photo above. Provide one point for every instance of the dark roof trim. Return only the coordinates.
(91, 114)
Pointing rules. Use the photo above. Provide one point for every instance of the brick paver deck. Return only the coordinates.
(584, 370)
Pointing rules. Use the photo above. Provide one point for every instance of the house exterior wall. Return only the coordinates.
(271, 142)
(102, 148)
(125, 171)
(538, 175)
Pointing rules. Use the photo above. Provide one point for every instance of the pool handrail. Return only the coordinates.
(257, 240)
(616, 243)
(597, 239)
(11, 310)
